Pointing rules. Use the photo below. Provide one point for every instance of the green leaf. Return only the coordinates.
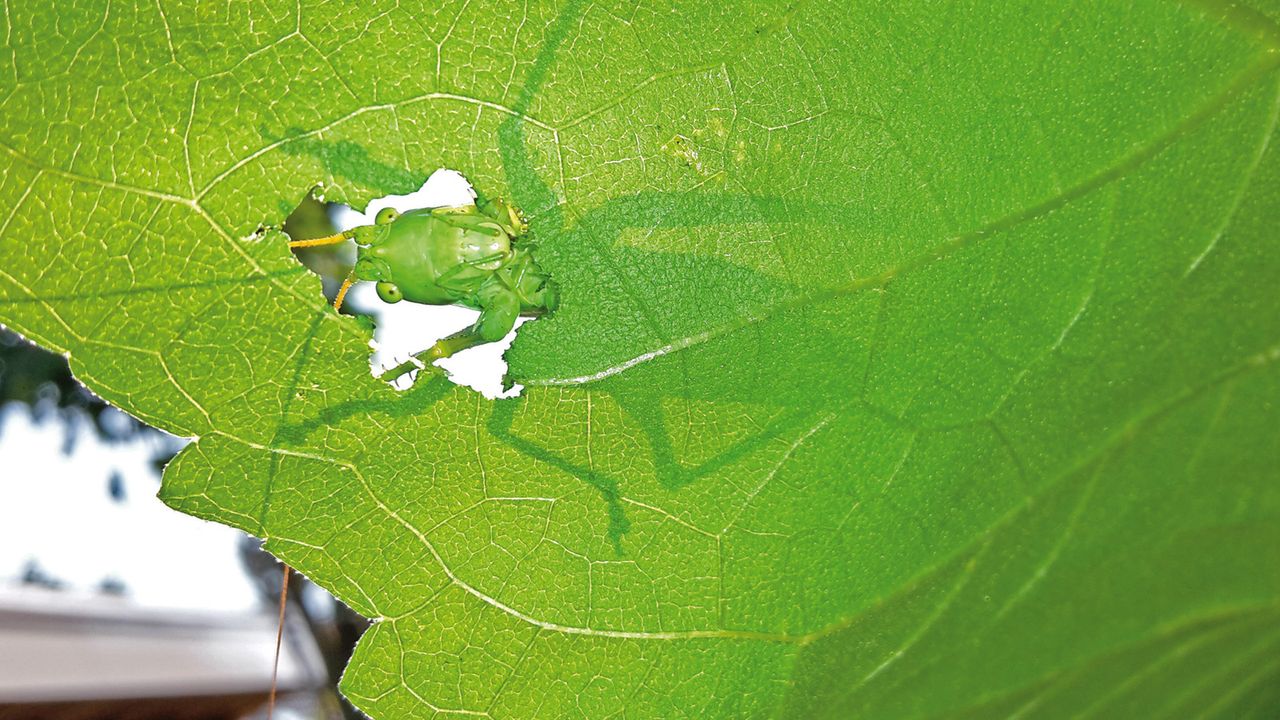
(913, 361)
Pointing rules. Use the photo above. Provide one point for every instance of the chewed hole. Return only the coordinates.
(404, 328)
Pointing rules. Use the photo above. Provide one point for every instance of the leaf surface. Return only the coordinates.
(912, 362)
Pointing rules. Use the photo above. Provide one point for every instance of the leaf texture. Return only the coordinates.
(914, 361)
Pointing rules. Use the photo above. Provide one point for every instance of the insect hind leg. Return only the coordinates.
(443, 348)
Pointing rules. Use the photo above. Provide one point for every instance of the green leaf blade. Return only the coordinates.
(910, 363)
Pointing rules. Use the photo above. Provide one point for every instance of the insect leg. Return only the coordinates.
(443, 348)
(499, 309)
(464, 272)
(506, 214)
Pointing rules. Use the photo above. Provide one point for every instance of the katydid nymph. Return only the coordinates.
(468, 255)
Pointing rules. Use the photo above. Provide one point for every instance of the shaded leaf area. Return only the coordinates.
(911, 362)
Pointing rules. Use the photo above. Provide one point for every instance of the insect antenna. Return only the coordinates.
(342, 291)
(331, 240)
(326, 240)
(275, 668)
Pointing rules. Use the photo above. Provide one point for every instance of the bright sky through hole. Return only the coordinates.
(405, 328)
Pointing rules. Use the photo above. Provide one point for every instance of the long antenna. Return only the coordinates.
(275, 668)
(331, 240)
(342, 291)
(326, 240)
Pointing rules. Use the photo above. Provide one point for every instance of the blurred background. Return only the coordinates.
(114, 606)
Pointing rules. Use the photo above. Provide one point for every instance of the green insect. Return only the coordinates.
(468, 255)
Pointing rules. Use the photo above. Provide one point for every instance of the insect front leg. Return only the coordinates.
(499, 309)
(506, 214)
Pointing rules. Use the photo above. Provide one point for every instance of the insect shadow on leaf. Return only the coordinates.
(347, 159)
(597, 231)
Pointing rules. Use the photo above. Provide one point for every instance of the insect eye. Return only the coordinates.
(386, 215)
(389, 292)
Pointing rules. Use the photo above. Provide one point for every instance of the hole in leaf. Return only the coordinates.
(404, 328)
